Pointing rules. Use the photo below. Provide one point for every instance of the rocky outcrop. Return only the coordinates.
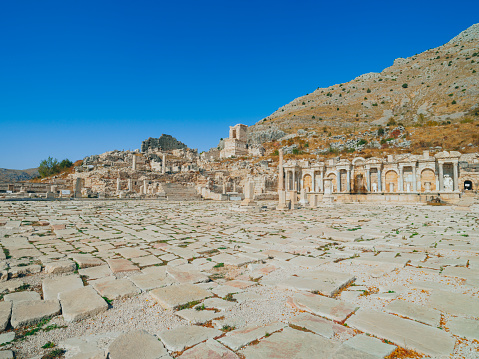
(164, 143)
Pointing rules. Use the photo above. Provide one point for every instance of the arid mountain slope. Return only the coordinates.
(438, 86)
(7, 175)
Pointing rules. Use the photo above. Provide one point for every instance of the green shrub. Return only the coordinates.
(404, 86)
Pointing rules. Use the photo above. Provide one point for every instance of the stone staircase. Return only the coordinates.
(179, 192)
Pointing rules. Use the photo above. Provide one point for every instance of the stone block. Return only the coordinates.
(180, 338)
(210, 349)
(121, 266)
(175, 295)
(330, 308)
(52, 287)
(113, 288)
(137, 344)
(370, 345)
(86, 260)
(34, 311)
(5, 313)
(60, 267)
(81, 303)
(239, 338)
(21, 296)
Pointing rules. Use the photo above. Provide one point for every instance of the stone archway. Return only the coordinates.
(391, 181)
(359, 184)
(307, 182)
(428, 180)
(468, 185)
(333, 182)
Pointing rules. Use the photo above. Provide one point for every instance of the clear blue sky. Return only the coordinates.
(84, 77)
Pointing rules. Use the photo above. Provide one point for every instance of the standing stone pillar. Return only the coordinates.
(441, 177)
(313, 183)
(303, 198)
(163, 164)
(338, 181)
(280, 171)
(282, 201)
(401, 179)
(133, 165)
(368, 179)
(456, 177)
(130, 185)
(118, 185)
(295, 187)
(224, 187)
(414, 180)
(348, 180)
(380, 185)
(321, 180)
(248, 194)
(77, 188)
(145, 187)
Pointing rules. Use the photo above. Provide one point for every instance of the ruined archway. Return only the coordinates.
(307, 183)
(391, 181)
(428, 180)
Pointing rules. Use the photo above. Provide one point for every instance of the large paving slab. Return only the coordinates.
(210, 349)
(187, 276)
(239, 338)
(31, 312)
(466, 328)
(5, 314)
(416, 312)
(60, 267)
(150, 281)
(370, 345)
(52, 287)
(86, 260)
(175, 295)
(330, 308)
(180, 338)
(121, 265)
(195, 316)
(81, 303)
(291, 343)
(96, 272)
(137, 344)
(454, 303)
(403, 332)
(323, 282)
(113, 288)
(317, 325)
(22, 296)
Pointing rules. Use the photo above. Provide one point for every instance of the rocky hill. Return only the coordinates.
(438, 86)
(7, 175)
(165, 143)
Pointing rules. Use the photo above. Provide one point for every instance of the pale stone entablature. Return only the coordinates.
(446, 172)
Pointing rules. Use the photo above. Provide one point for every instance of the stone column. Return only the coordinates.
(441, 177)
(294, 180)
(456, 176)
(414, 180)
(77, 188)
(348, 180)
(280, 171)
(224, 187)
(368, 179)
(313, 182)
(303, 198)
(248, 194)
(401, 179)
(130, 185)
(145, 187)
(321, 179)
(118, 184)
(133, 166)
(380, 187)
(282, 201)
(338, 181)
(163, 164)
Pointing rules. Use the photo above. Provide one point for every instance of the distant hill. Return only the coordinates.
(438, 86)
(7, 175)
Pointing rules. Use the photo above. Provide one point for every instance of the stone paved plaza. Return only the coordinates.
(158, 279)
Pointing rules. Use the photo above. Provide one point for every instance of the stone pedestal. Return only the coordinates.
(248, 195)
(313, 203)
(282, 205)
(293, 199)
(303, 198)
(77, 188)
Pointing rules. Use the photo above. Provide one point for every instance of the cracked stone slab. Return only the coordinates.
(180, 338)
(34, 311)
(291, 343)
(218, 303)
(416, 312)
(60, 267)
(52, 287)
(403, 332)
(175, 295)
(239, 338)
(198, 316)
(330, 308)
(86, 260)
(81, 303)
(96, 272)
(323, 282)
(210, 349)
(113, 288)
(137, 344)
(189, 276)
(121, 265)
(318, 325)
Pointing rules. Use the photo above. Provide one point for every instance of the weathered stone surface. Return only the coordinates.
(324, 282)
(289, 344)
(217, 303)
(60, 267)
(454, 303)
(137, 344)
(326, 307)
(52, 287)
(189, 276)
(81, 303)
(96, 272)
(466, 328)
(113, 288)
(22, 296)
(370, 345)
(11, 285)
(210, 349)
(34, 311)
(403, 332)
(88, 346)
(417, 312)
(86, 260)
(121, 265)
(5, 313)
(175, 295)
(198, 316)
(7, 337)
(238, 338)
(151, 281)
(6, 354)
(182, 337)
(316, 324)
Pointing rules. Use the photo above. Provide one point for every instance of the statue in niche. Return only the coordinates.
(448, 183)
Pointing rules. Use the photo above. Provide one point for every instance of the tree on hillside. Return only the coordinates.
(51, 166)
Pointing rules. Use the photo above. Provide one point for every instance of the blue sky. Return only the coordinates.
(84, 77)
